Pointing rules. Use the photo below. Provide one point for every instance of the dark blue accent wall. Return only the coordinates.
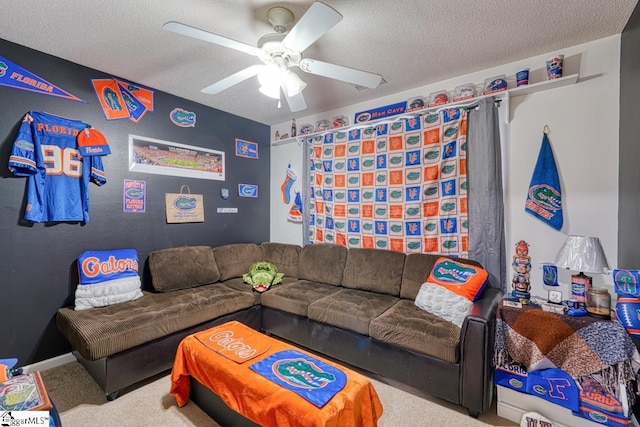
(38, 272)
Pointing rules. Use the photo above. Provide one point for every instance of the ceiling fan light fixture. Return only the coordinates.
(271, 90)
(270, 77)
(292, 83)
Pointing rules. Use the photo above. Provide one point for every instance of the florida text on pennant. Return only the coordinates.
(13, 75)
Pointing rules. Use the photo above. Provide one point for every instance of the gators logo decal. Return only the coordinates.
(184, 203)
(302, 374)
(545, 196)
(182, 118)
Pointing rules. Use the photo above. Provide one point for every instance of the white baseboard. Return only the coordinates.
(43, 365)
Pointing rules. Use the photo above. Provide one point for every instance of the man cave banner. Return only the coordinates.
(400, 186)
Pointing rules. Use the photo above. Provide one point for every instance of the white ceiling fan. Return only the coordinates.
(282, 50)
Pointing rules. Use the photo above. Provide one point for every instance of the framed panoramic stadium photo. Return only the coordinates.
(149, 155)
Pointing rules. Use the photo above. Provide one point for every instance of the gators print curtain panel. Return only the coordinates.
(399, 186)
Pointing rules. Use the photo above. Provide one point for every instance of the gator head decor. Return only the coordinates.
(262, 275)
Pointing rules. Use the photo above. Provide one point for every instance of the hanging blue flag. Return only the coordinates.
(544, 199)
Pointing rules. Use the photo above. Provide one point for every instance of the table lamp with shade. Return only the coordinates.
(585, 255)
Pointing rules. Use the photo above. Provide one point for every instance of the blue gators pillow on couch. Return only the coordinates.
(451, 289)
(107, 277)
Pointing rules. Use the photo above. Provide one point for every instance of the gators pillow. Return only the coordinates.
(107, 277)
(465, 280)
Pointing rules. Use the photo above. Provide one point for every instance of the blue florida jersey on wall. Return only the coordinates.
(45, 150)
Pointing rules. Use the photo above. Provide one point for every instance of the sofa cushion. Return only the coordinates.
(182, 267)
(322, 263)
(239, 285)
(410, 327)
(285, 257)
(235, 260)
(350, 309)
(295, 297)
(416, 270)
(374, 270)
(101, 332)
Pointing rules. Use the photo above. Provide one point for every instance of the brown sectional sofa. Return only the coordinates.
(355, 305)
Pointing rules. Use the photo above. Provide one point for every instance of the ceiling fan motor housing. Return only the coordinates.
(273, 51)
(281, 18)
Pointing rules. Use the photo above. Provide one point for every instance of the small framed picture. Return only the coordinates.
(555, 297)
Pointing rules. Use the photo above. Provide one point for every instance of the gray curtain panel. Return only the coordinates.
(484, 195)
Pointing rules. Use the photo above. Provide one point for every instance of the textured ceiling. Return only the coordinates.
(410, 43)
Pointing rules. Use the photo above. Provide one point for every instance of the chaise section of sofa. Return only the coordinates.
(187, 296)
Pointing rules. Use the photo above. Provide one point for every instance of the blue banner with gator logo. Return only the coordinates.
(544, 199)
(304, 375)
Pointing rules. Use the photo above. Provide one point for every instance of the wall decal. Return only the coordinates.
(149, 155)
(246, 149)
(136, 108)
(143, 95)
(183, 118)
(121, 100)
(134, 196)
(110, 98)
(13, 75)
(247, 190)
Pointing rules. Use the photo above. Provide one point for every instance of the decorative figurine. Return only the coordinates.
(522, 266)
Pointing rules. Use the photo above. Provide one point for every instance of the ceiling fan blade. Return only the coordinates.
(338, 72)
(197, 33)
(316, 21)
(233, 79)
(296, 102)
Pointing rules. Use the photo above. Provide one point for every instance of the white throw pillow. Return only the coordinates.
(443, 303)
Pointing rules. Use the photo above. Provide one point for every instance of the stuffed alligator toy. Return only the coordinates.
(262, 275)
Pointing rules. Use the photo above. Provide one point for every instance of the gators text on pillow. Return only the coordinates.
(451, 289)
(107, 277)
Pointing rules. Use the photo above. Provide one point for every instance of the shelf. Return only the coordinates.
(505, 95)
(545, 85)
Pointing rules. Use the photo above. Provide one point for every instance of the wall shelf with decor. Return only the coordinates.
(504, 95)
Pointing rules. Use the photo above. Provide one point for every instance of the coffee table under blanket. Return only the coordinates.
(261, 400)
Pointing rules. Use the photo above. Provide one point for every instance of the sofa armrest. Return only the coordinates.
(484, 309)
(476, 353)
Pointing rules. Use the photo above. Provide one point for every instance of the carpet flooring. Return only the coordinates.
(81, 403)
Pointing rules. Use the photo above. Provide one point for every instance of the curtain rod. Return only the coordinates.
(392, 119)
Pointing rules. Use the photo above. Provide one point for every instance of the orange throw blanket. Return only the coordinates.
(219, 358)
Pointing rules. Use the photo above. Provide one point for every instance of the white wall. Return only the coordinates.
(282, 230)
(583, 119)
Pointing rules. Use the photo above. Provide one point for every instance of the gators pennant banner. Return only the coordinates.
(13, 75)
(544, 199)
